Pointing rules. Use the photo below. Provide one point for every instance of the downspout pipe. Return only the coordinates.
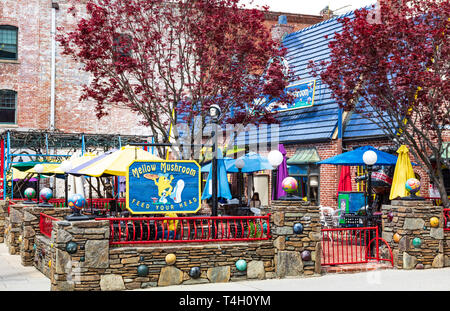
(55, 7)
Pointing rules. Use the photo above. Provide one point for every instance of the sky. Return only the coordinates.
(312, 7)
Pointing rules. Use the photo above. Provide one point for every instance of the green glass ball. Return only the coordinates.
(142, 270)
(71, 247)
(417, 242)
(241, 265)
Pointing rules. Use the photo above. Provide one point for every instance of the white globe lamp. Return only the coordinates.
(275, 158)
(370, 157)
(239, 163)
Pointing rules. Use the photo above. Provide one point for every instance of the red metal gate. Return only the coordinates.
(352, 246)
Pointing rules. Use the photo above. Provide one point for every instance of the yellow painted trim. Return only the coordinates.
(127, 191)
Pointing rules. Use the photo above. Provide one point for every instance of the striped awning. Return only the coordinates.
(304, 155)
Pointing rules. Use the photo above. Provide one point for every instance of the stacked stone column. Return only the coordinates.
(415, 243)
(3, 215)
(30, 228)
(290, 245)
(13, 228)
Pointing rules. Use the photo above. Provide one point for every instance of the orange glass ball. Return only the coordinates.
(396, 237)
(434, 222)
(170, 259)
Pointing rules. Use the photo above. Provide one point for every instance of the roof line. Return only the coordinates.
(327, 21)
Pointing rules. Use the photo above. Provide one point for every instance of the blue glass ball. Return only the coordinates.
(46, 194)
(241, 265)
(194, 272)
(298, 228)
(76, 202)
(142, 270)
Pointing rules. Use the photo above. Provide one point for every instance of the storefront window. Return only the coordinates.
(307, 176)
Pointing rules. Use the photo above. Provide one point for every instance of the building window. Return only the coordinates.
(8, 101)
(8, 42)
(122, 46)
(307, 176)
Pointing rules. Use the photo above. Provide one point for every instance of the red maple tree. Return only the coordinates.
(171, 60)
(391, 65)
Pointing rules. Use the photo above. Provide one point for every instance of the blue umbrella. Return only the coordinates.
(223, 188)
(253, 163)
(355, 157)
(228, 163)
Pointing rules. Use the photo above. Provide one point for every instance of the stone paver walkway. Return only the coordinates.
(15, 277)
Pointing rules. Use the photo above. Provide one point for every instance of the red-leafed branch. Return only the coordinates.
(170, 61)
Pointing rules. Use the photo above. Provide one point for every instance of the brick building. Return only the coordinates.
(314, 128)
(40, 87)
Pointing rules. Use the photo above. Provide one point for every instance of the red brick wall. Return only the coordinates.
(30, 76)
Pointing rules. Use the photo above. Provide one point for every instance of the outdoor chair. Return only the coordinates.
(329, 217)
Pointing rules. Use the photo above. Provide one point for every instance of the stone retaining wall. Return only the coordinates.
(411, 220)
(289, 245)
(96, 265)
(30, 228)
(13, 228)
(3, 214)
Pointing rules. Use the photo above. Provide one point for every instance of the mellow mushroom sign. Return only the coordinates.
(163, 186)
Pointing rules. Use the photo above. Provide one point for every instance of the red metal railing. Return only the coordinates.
(104, 204)
(145, 230)
(352, 246)
(46, 224)
(100, 204)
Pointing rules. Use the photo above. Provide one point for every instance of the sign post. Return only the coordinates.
(156, 187)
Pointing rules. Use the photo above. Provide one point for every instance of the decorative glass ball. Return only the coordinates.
(390, 216)
(194, 272)
(241, 265)
(417, 242)
(170, 259)
(306, 255)
(396, 237)
(30, 193)
(412, 185)
(46, 194)
(434, 222)
(71, 247)
(298, 228)
(290, 185)
(142, 270)
(76, 202)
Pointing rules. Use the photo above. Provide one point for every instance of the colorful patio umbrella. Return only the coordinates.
(76, 161)
(345, 180)
(114, 163)
(355, 157)
(48, 168)
(228, 163)
(19, 175)
(223, 187)
(403, 172)
(253, 163)
(282, 173)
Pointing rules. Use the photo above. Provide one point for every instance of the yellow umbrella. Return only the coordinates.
(48, 168)
(75, 161)
(18, 174)
(403, 172)
(117, 162)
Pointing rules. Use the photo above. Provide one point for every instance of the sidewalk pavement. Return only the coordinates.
(15, 277)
